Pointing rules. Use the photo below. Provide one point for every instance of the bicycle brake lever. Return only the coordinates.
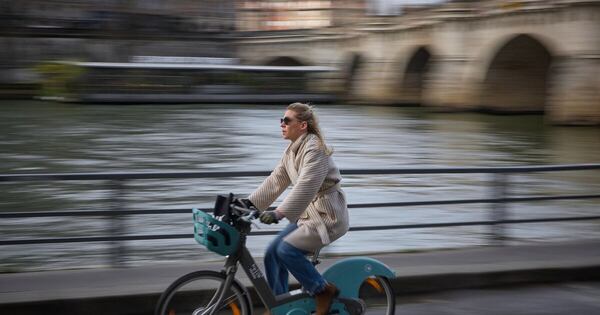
(250, 216)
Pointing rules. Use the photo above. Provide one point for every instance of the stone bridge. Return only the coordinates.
(498, 56)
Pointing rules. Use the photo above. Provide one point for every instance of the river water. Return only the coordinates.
(38, 137)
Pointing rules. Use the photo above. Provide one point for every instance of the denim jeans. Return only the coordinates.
(282, 257)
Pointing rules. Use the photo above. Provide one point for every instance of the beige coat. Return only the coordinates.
(316, 201)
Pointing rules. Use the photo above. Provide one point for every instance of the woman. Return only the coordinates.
(316, 206)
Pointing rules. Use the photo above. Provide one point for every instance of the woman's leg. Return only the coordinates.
(294, 259)
(277, 274)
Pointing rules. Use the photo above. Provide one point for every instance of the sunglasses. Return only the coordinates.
(286, 120)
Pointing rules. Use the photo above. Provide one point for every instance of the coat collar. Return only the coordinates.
(295, 146)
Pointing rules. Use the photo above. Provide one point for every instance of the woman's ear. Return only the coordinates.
(304, 125)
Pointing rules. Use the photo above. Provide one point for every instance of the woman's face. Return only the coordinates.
(291, 127)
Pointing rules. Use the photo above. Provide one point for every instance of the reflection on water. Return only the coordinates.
(46, 137)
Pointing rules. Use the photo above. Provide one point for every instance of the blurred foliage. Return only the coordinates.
(58, 79)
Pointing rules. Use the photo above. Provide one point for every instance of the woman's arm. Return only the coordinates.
(312, 174)
(271, 187)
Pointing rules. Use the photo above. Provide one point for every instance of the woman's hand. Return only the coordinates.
(270, 217)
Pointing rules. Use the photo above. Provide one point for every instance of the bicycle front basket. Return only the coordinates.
(216, 235)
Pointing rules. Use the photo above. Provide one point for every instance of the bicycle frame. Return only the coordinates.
(257, 278)
(299, 302)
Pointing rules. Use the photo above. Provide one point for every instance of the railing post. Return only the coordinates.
(498, 211)
(117, 224)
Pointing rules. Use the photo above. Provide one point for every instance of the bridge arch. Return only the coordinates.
(413, 75)
(517, 75)
(354, 65)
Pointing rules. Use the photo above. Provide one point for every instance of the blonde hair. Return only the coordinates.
(306, 112)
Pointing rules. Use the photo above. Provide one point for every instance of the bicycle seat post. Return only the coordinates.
(315, 258)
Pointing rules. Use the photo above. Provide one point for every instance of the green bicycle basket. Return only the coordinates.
(216, 235)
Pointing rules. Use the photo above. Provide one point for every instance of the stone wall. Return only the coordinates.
(540, 59)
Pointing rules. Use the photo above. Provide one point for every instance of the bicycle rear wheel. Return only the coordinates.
(378, 295)
(196, 293)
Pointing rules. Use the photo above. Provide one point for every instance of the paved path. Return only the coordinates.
(577, 298)
(76, 292)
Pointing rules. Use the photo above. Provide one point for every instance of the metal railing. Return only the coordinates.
(499, 184)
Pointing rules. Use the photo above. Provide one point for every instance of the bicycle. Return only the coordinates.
(364, 283)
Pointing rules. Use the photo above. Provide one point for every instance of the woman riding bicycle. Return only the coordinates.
(316, 206)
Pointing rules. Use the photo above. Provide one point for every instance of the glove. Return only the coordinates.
(245, 203)
(269, 217)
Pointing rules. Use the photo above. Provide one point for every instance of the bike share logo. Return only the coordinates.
(255, 272)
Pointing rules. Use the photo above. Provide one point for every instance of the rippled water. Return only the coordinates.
(47, 137)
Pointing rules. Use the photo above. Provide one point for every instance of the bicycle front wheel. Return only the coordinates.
(196, 294)
(378, 295)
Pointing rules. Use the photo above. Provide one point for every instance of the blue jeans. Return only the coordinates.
(282, 257)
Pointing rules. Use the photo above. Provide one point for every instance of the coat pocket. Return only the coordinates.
(327, 207)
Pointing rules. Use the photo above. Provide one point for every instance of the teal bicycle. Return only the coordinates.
(364, 283)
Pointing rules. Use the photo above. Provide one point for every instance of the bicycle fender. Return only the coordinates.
(349, 273)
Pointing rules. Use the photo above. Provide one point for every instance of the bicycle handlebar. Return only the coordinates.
(248, 214)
